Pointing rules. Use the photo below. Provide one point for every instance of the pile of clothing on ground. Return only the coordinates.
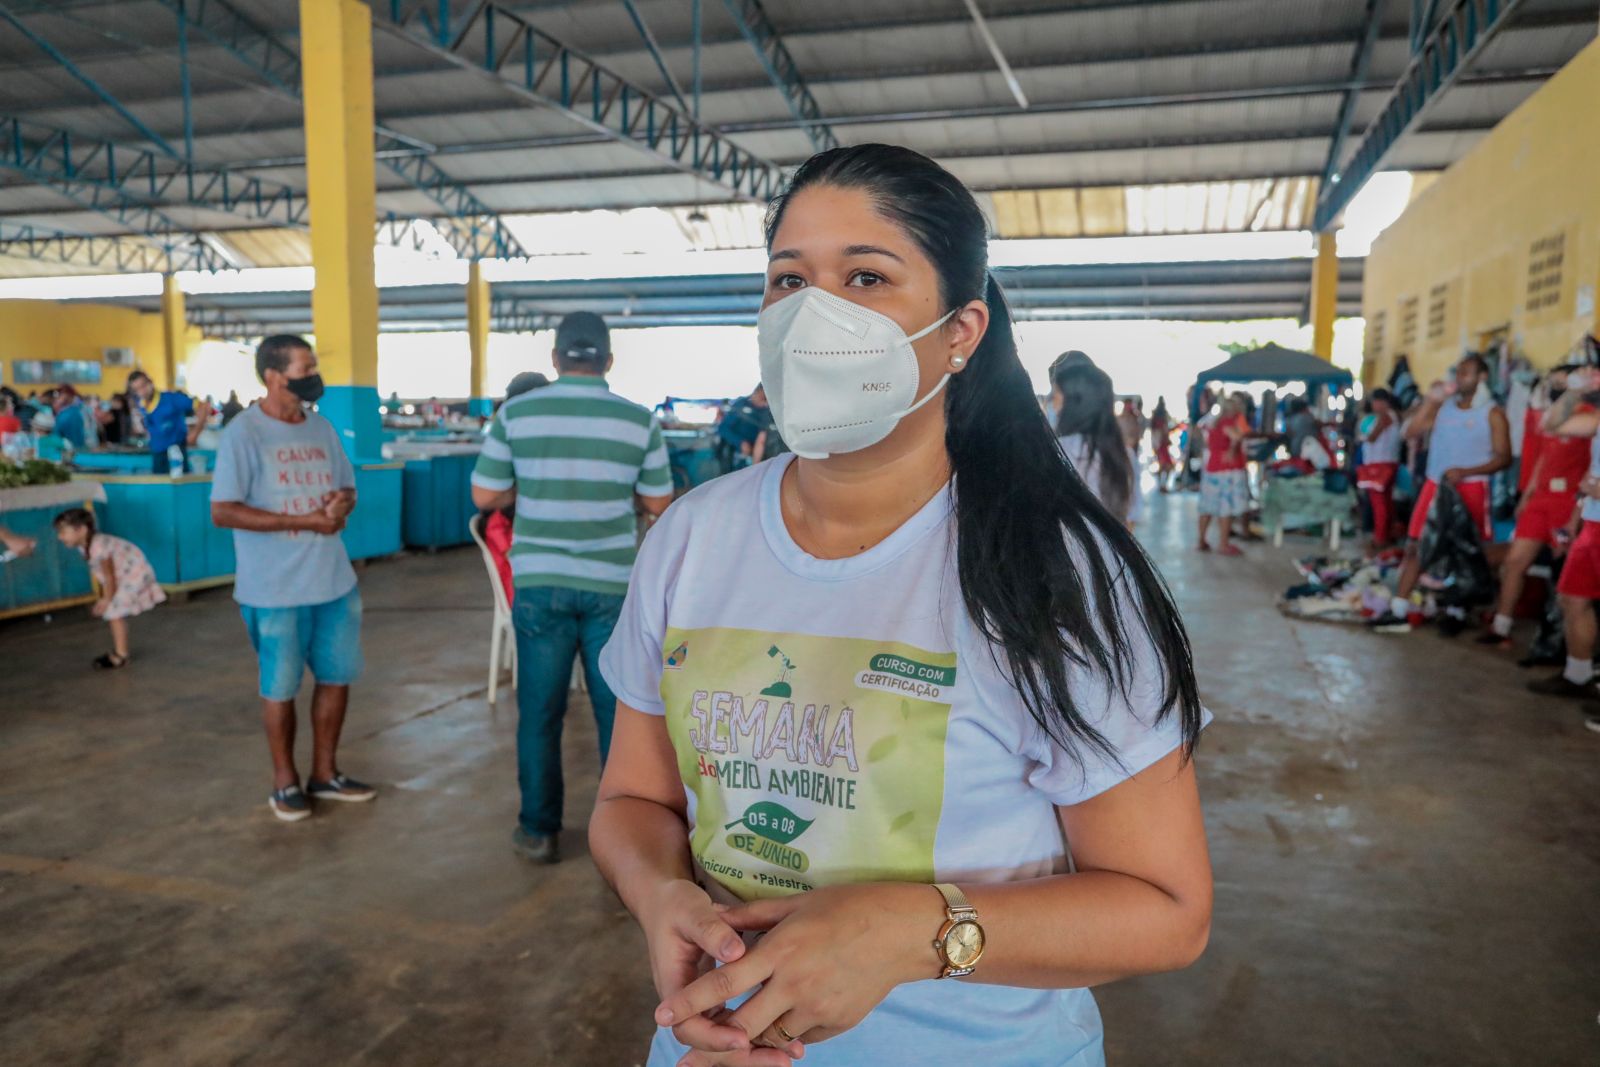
(1341, 590)
(1455, 577)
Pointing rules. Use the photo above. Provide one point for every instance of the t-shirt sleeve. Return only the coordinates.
(493, 470)
(185, 404)
(1126, 716)
(655, 474)
(230, 481)
(632, 661)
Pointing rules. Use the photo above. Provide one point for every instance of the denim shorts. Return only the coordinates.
(324, 637)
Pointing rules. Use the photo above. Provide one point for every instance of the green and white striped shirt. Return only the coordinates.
(576, 453)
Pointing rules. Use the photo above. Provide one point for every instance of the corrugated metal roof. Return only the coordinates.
(1132, 93)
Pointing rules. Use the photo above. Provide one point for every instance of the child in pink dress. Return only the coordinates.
(127, 583)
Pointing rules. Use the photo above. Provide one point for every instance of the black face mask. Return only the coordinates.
(307, 390)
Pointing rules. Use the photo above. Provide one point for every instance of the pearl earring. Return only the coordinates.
(956, 361)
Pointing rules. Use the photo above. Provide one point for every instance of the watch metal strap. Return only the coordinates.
(955, 901)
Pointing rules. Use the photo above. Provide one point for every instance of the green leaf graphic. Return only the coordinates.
(773, 821)
(882, 747)
(901, 821)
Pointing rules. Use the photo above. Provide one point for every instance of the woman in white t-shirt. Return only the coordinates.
(868, 691)
(1091, 436)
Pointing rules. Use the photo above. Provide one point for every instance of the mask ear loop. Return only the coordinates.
(925, 331)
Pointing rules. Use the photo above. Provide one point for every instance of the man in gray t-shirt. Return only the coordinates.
(285, 487)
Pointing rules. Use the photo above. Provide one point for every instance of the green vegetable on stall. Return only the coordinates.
(31, 472)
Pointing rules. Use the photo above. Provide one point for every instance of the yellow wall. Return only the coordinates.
(1464, 247)
(44, 329)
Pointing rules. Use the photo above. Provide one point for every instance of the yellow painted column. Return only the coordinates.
(174, 332)
(336, 64)
(1324, 294)
(478, 332)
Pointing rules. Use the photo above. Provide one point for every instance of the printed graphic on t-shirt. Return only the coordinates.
(813, 760)
(300, 477)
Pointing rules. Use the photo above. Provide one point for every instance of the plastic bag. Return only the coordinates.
(1452, 553)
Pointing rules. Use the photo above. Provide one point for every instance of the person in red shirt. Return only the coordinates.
(1380, 463)
(1548, 512)
(1579, 586)
(9, 423)
(1224, 488)
(497, 527)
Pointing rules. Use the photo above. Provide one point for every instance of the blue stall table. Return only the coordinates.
(170, 520)
(374, 527)
(438, 498)
(693, 456)
(136, 461)
(54, 576)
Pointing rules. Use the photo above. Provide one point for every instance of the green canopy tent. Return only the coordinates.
(1271, 363)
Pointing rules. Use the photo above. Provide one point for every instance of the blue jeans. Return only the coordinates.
(553, 626)
(324, 637)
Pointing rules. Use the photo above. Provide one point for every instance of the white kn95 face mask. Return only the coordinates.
(839, 377)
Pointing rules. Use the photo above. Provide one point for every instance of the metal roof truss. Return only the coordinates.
(493, 40)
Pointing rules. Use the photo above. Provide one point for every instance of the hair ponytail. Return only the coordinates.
(1046, 572)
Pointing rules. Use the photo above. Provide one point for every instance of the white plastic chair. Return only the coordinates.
(502, 640)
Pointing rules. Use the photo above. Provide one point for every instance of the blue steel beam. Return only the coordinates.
(500, 45)
(516, 315)
(185, 82)
(100, 91)
(128, 186)
(1358, 74)
(655, 52)
(111, 255)
(1450, 47)
(1423, 14)
(134, 183)
(757, 28)
(473, 229)
(696, 42)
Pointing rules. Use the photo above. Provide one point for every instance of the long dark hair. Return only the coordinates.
(1047, 574)
(1087, 403)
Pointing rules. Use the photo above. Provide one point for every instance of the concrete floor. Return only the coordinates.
(1407, 853)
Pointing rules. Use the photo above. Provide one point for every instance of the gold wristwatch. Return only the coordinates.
(960, 940)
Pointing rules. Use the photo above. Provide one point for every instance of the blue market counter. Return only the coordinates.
(53, 577)
(128, 461)
(438, 500)
(374, 528)
(170, 519)
(693, 455)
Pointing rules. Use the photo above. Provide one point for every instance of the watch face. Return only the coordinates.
(964, 944)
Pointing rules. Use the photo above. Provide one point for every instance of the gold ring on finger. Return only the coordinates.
(786, 1035)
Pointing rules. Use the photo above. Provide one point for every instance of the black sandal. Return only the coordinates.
(111, 662)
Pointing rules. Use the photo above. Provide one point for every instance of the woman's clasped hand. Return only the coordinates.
(822, 962)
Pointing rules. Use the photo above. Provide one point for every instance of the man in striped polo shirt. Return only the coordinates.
(579, 463)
